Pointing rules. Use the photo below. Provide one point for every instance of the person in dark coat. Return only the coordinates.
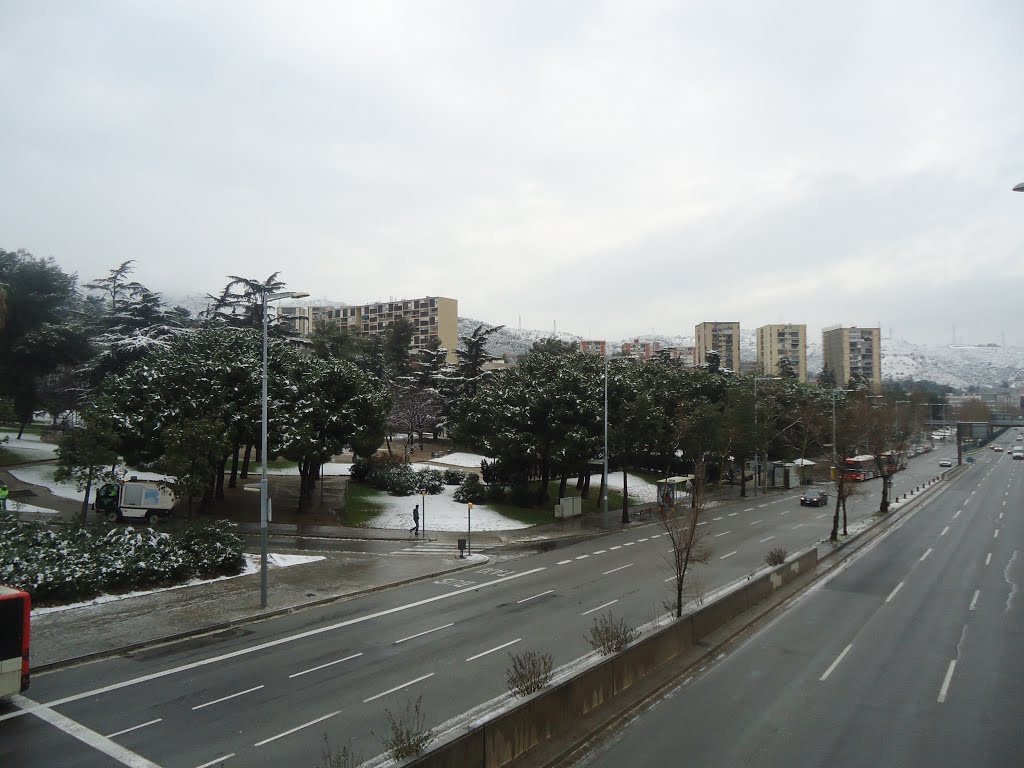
(415, 530)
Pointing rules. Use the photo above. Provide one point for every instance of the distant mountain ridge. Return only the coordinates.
(959, 366)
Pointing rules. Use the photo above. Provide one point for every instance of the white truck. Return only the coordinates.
(134, 499)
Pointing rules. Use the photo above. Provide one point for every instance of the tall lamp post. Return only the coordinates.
(264, 485)
(604, 468)
(756, 447)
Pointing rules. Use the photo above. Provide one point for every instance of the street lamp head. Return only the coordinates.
(1019, 187)
(286, 295)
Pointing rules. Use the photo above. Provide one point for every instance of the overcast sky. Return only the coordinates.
(616, 168)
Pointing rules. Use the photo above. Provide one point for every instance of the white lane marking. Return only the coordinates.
(945, 683)
(717, 518)
(761, 505)
(728, 555)
(1001, 514)
(425, 632)
(835, 663)
(768, 539)
(974, 600)
(703, 522)
(279, 641)
(944, 530)
(541, 594)
(324, 666)
(776, 501)
(988, 558)
(296, 728)
(219, 761)
(563, 562)
(995, 534)
(498, 648)
(798, 525)
(613, 602)
(749, 509)
(928, 552)
(784, 513)
(957, 514)
(225, 698)
(821, 516)
(641, 539)
(733, 514)
(670, 578)
(602, 551)
(723, 533)
(629, 544)
(755, 522)
(134, 728)
(583, 557)
(398, 687)
(617, 546)
(83, 734)
(613, 570)
(1004, 503)
(893, 593)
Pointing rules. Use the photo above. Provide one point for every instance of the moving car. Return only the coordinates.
(997, 448)
(813, 499)
(946, 463)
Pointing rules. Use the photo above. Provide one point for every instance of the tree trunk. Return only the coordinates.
(245, 461)
(743, 476)
(543, 496)
(604, 489)
(387, 441)
(883, 506)
(21, 430)
(579, 481)
(218, 491)
(561, 487)
(834, 536)
(585, 491)
(85, 499)
(625, 496)
(233, 482)
(844, 516)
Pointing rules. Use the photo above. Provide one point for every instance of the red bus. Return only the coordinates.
(860, 468)
(15, 609)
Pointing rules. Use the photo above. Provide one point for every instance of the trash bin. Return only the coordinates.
(462, 547)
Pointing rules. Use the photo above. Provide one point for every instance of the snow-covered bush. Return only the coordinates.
(58, 565)
(431, 479)
(454, 476)
(401, 480)
(472, 491)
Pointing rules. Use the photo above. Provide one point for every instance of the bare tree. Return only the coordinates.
(687, 539)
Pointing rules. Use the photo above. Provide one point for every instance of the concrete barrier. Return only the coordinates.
(551, 712)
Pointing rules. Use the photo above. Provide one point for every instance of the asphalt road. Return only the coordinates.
(910, 655)
(266, 693)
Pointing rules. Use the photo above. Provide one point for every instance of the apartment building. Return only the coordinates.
(593, 346)
(847, 351)
(641, 350)
(724, 338)
(434, 319)
(775, 342)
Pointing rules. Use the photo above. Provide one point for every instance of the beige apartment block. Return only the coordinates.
(434, 319)
(724, 338)
(594, 346)
(847, 351)
(775, 342)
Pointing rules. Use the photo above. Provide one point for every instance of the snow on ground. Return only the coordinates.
(42, 474)
(330, 468)
(471, 460)
(639, 489)
(18, 506)
(443, 513)
(252, 565)
(29, 444)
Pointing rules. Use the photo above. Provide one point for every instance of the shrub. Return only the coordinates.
(609, 636)
(406, 735)
(400, 480)
(361, 469)
(471, 491)
(431, 479)
(776, 556)
(454, 476)
(529, 672)
(497, 493)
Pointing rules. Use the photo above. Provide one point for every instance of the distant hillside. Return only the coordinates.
(958, 366)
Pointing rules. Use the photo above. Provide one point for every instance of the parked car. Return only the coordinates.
(997, 448)
(813, 499)
(946, 463)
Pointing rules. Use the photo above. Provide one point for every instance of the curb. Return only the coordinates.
(221, 626)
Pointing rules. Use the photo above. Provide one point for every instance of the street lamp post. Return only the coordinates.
(604, 468)
(423, 500)
(756, 446)
(264, 484)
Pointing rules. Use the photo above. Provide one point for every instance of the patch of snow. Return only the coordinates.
(440, 513)
(20, 506)
(458, 459)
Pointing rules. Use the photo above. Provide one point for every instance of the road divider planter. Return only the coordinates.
(551, 712)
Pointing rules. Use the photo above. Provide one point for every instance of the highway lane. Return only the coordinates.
(447, 640)
(907, 656)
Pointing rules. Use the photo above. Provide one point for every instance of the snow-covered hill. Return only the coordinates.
(957, 366)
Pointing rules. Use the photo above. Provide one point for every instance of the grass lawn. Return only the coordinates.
(360, 504)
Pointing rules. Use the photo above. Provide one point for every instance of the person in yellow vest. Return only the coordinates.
(4, 493)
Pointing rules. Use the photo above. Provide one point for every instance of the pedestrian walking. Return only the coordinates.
(4, 493)
(415, 530)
